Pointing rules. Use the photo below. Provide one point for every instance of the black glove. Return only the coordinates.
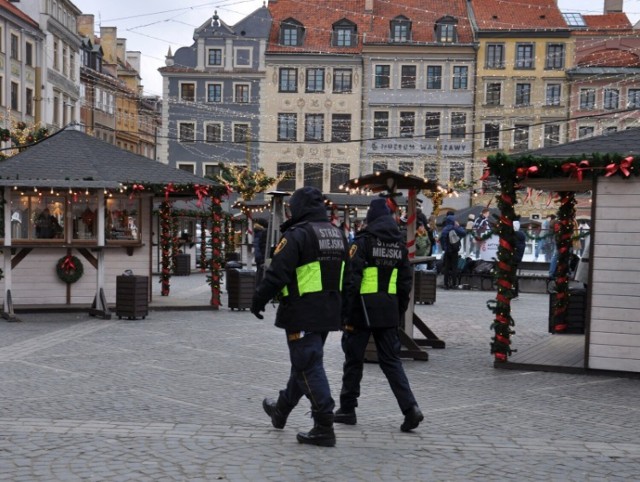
(256, 308)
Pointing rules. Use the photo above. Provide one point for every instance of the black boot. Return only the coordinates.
(412, 419)
(278, 411)
(348, 417)
(322, 433)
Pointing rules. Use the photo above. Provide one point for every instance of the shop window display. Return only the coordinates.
(122, 219)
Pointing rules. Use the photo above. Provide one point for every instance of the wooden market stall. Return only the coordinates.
(609, 167)
(77, 214)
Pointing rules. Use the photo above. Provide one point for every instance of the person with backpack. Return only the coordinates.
(450, 241)
(480, 228)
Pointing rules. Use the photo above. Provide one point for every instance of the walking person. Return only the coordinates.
(307, 269)
(520, 245)
(451, 250)
(376, 296)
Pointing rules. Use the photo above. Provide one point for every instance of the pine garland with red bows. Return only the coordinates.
(165, 247)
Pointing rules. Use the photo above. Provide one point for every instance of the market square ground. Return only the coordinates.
(177, 396)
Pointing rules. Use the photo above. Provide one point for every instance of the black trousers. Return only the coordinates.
(307, 375)
(450, 269)
(387, 342)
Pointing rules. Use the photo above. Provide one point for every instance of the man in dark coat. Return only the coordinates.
(306, 270)
(450, 253)
(520, 245)
(376, 295)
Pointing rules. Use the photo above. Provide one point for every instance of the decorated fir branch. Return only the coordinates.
(217, 261)
(175, 241)
(69, 269)
(204, 223)
(165, 247)
(245, 182)
(229, 237)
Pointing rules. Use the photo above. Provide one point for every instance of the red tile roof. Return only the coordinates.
(610, 58)
(517, 15)
(10, 7)
(318, 18)
(607, 21)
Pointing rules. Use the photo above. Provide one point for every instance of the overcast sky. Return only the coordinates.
(153, 27)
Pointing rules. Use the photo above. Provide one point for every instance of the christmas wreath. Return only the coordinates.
(69, 269)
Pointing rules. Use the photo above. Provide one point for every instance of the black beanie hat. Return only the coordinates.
(377, 208)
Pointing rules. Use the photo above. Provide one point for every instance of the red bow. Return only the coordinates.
(136, 188)
(68, 265)
(575, 170)
(624, 166)
(168, 189)
(525, 171)
(201, 192)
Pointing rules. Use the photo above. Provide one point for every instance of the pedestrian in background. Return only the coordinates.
(520, 245)
(307, 269)
(451, 251)
(376, 295)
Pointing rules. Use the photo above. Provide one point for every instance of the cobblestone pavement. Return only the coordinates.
(177, 397)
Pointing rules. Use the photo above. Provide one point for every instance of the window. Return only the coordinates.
(186, 166)
(315, 80)
(56, 52)
(342, 80)
(491, 136)
(431, 170)
(214, 57)
(521, 137)
(15, 47)
(555, 57)
(1, 89)
(84, 218)
(213, 132)
(585, 131)
(379, 166)
(611, 98)
(407, 124)
(460, 76)
(446, 30)
(341, 127)
(187, 131)
(241, 93)
(28, 54)
(380, 125)
(344, 34)
(382, 76)
(240, 133)
(495, 56)
(633, 98)
(524, 56)
(291, 32)
(286, 170)
(313, 175)
(551, 135)
(523, 95)
(339, 176)
(187, 92)
(587, 98)
(314, 127)
(434, 77)
(15, 96)
(408, 77)
(214, 92)
(212, 171)
(29, 102)
(554, 94)
(122, 219)
(493, 93)
(400, 29)
(72, 66)
(405, 167)
(458, 125)
(287, 127)
(432, 125)
(242, 57)
(288, 80)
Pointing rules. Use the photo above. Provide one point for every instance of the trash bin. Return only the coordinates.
(132, 296)
(183, 265)
(425, 287)
(241, 283)
(576, 311)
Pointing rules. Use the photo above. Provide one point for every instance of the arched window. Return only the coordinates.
(344, 34)
(400, 29)
(291, 32)
(446, 30)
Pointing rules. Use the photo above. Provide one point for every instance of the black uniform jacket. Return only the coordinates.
(308, 236)
(379, 245)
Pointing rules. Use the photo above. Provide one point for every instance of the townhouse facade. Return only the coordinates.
(418, 94)
(211, 91)
(21, 42)
(522, 96)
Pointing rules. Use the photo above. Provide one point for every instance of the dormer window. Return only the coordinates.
(446, 30)
(291, 32)
(344, 34)
(400, 29)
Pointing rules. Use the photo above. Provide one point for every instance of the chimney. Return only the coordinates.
(85, 26)
(368, 6)
(108, 37)
(133, 57)
(121, 48)
(613, 6)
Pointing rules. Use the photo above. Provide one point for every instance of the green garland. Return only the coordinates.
(69, 269)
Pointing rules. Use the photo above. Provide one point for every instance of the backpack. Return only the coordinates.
(454, 240)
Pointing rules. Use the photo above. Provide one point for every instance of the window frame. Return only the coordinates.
(184, 84)
(207, 138)
(550, 97)
(491, 129)
(521, 137)
(288, 182)
(523, 94)
(241, 92)
(611, 99)
(460, 81)
(342, 75)
(291, 33)
(382, 76)
(208, 86)
(633, 98)
(237, 64)
(287, 131)
(458, 129)
(446, 31)
(343, 34)
(400, 30)
(525, 56)
(431, 116)
(407, 124)
(495, 59)
(314, 127)
(185, 124)
(315, 76)
(551, 139)
(493, 96)
(554, 60)
(381, 120)
(587, 98)
(240, 132)
(14, 42)
(341, 127)
(408, 80)
(434, 82)
(288, 77)
(211, 50)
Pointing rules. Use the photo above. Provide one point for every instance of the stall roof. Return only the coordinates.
(343, 201)
(387, 180)
(73, 159)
